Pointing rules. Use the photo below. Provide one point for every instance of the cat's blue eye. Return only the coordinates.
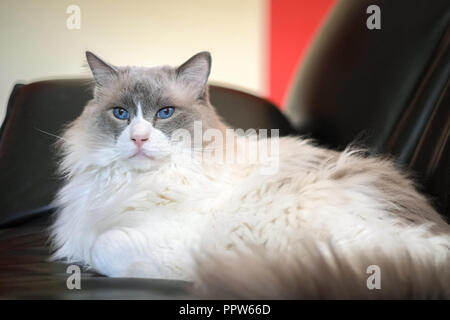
(165, 113)
(121, 113)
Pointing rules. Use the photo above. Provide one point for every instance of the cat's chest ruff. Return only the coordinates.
(175, 189)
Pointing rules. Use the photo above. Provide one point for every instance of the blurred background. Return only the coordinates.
(256, 44)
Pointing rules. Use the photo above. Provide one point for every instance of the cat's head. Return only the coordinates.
(135, 112)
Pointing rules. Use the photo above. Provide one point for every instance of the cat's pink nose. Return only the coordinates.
(139, 139)
(140, 132)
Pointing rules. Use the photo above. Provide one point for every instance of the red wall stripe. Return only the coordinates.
(292, 26)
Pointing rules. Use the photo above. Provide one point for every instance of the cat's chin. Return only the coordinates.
(142, 161)
(141, 164)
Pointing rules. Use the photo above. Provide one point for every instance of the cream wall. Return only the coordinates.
(36, 44)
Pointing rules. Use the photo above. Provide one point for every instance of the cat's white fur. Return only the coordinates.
(158, 217)
(124, 221)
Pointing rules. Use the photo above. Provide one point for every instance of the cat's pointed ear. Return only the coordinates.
(195, 72)
(101, 70)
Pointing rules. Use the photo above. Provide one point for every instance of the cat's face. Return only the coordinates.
(136, 111)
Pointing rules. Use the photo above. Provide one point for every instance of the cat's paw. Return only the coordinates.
(117, 250)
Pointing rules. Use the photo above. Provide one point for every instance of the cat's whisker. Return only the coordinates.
(50, 134)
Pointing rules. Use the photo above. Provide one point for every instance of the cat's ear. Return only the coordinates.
(195, 72)
(101, 70)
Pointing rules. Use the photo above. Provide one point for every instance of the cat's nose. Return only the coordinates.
(139, 139)
(140, 132)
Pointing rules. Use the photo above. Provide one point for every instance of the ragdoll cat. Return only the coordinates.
(141, 200)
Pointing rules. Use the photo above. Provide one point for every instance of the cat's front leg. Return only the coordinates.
(124, 252)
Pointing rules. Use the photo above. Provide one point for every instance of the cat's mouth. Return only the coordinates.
(141, 155)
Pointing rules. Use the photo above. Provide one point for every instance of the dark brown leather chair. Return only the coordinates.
(383, 89)
(387, 89)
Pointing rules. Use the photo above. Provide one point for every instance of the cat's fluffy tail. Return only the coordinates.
(323, 274)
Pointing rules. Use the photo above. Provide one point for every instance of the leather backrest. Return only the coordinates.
(28, 181)
(384, 88)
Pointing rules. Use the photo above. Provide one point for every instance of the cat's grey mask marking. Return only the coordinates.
(184, 88)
